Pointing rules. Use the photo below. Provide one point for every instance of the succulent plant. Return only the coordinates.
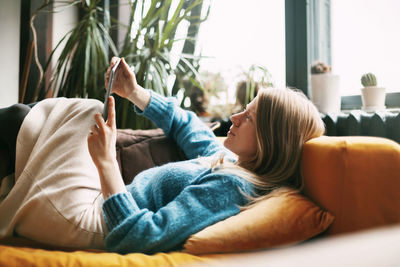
(368, 79)
(320, 67)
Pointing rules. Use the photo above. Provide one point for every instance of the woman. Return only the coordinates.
(164, 205)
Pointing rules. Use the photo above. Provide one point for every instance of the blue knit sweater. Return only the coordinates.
(165, 205)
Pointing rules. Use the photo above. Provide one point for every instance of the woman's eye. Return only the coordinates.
(246, 114)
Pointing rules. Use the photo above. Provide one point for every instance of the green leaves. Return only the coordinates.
(256, 75)
(151, 44)
(80, 68)
(155, 38)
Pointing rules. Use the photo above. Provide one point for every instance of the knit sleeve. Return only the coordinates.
(189, 132)
(141, 230)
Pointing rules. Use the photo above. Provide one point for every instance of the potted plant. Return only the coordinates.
(150, 46)
(325, 92)
(372, 96)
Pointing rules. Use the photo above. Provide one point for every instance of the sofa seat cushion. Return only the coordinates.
(34, 257)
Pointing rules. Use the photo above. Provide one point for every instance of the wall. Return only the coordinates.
(10, 44)
(64, 19)
(9, 51)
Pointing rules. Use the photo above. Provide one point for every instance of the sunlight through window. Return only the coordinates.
(239, 34)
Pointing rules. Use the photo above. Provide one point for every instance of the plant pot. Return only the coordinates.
(325, 92)
(373, 98)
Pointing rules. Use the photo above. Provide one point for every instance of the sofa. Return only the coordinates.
(351, 187)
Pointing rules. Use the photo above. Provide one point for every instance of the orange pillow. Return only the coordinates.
(285, 217)
(356, 178)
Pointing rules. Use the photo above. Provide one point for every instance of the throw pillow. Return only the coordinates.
(284, 217)
(138, 150)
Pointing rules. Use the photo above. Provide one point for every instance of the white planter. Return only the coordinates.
(325, 92)
(373, 98)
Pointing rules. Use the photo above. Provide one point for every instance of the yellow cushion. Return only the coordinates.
(31, 257)
(283, 218)
(356, 178)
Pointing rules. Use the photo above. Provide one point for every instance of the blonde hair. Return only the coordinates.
(286, 119)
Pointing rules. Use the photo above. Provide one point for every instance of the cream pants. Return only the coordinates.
(56, 198)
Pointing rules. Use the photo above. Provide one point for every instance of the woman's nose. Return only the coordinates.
(235, 119)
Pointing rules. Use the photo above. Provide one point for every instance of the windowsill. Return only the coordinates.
(353, 102)
(390, 110)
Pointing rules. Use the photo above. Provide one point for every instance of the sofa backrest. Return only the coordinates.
(357, 179)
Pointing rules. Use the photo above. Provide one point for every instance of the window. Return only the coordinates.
(238, 34)
(365, 38)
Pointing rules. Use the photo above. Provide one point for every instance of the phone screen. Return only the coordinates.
(109, 88)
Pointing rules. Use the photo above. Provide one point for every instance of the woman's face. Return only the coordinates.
(241, 138)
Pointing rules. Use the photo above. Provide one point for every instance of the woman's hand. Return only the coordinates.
(124, 80)
(126, 86)
(103, 136)
(101, 144)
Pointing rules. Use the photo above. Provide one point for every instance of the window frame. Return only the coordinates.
(308, 31)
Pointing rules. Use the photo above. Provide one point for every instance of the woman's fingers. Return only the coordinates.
(113, 61)
(125, 67)
(108, 75)
(111, 112)
(94, 129)
(99, 122)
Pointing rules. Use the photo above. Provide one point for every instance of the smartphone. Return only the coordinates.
(110, 85)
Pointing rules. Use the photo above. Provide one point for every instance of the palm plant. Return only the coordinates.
(153, 32)
(79, 70)
(149, 47)
(256, 75)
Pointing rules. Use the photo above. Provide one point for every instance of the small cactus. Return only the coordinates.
(368, 79)
(320, 67)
